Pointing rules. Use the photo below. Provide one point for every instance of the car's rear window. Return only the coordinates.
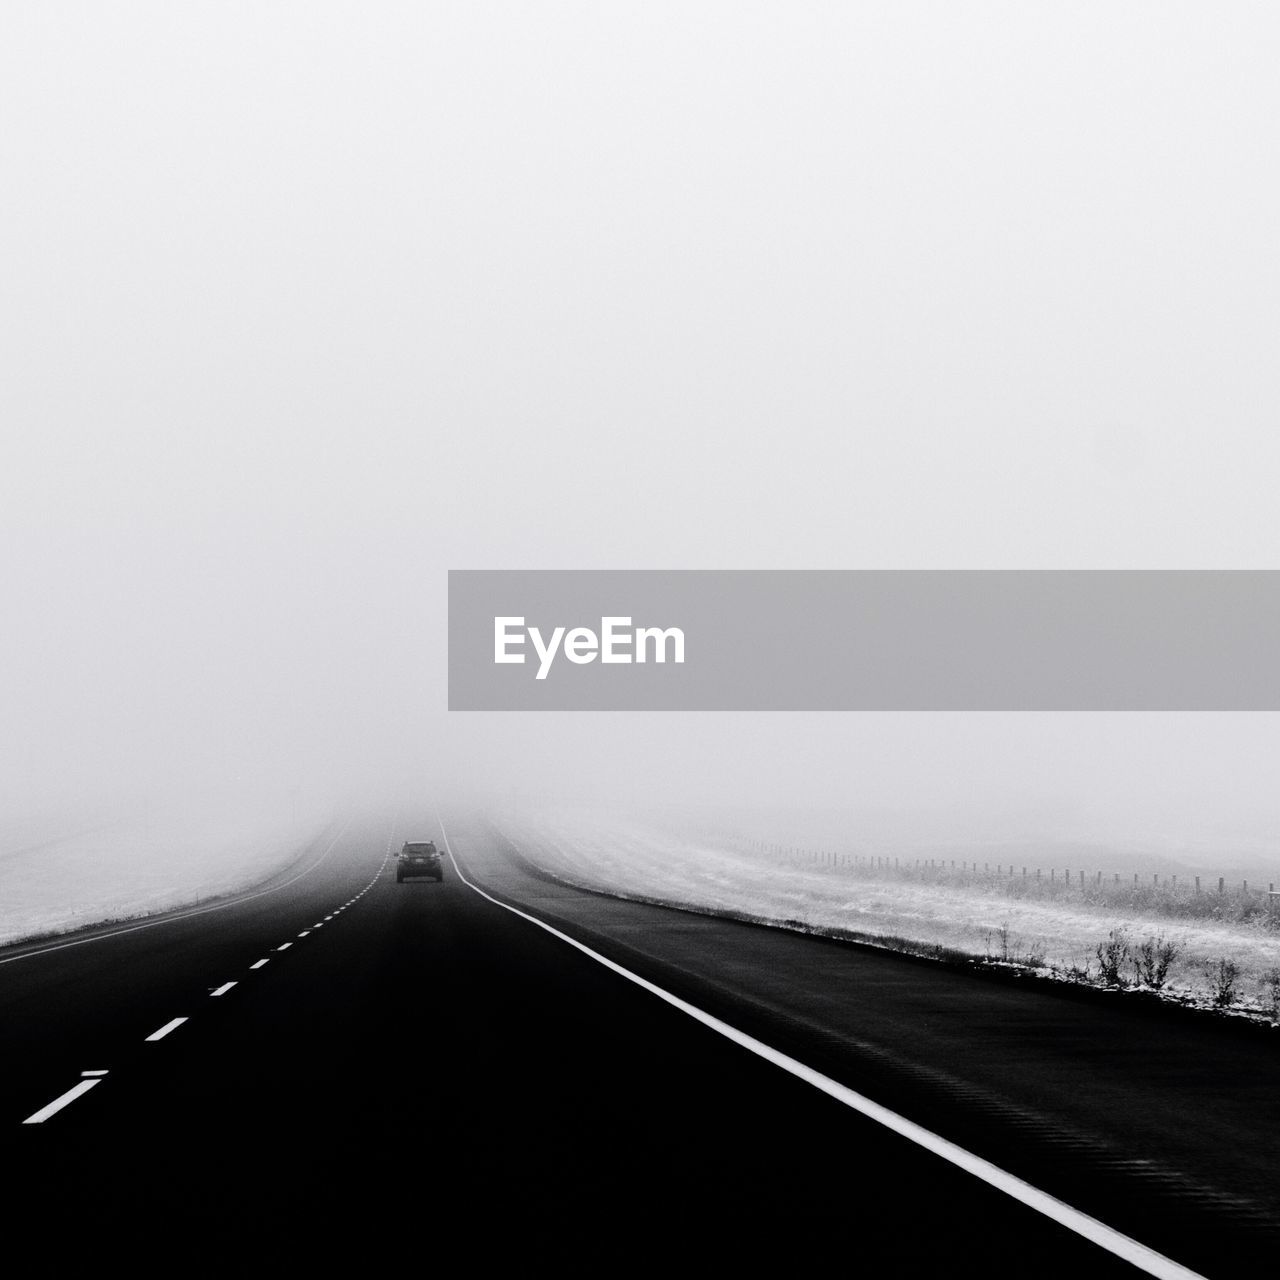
(422, 848)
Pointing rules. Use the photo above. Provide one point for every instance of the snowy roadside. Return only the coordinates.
(122, 868)
(715, 873)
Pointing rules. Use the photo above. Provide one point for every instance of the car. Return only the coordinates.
(419, 858)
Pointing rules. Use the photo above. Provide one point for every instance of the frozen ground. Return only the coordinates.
(718, 872)
(57, 876)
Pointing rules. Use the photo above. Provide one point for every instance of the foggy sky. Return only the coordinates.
(305, 304)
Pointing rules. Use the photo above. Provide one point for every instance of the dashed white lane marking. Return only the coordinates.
(172, 1025)
(318, 926)
(76, 1091)
(1108, 1238)
(94, 1077)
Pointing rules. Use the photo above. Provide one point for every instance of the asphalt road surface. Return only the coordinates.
(371, 1074)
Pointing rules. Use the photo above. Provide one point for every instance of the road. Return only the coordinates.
(364, 1067)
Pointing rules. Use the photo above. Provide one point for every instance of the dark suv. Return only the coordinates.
(419, 860)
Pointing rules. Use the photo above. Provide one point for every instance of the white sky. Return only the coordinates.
(304, 304)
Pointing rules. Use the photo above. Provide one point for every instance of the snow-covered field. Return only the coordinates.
(57, 877)
(716, 872)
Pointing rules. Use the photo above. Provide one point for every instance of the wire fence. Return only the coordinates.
(1212, 897)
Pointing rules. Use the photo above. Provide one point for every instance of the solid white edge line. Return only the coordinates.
(1108, 1238)
(181, 915)
(52, 1109)
(172, 1025)
(222, 990)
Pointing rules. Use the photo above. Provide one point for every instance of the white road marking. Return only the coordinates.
(222, 990)
(182, 915)
(93, 1073)
(284, 946)
(318, 926)
(1108, 1238)
(305, 933)
(257, 964)
(172, 1025)
(76, 1091)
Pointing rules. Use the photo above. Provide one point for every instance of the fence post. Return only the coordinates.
(1222, 884)
(1197, 884)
